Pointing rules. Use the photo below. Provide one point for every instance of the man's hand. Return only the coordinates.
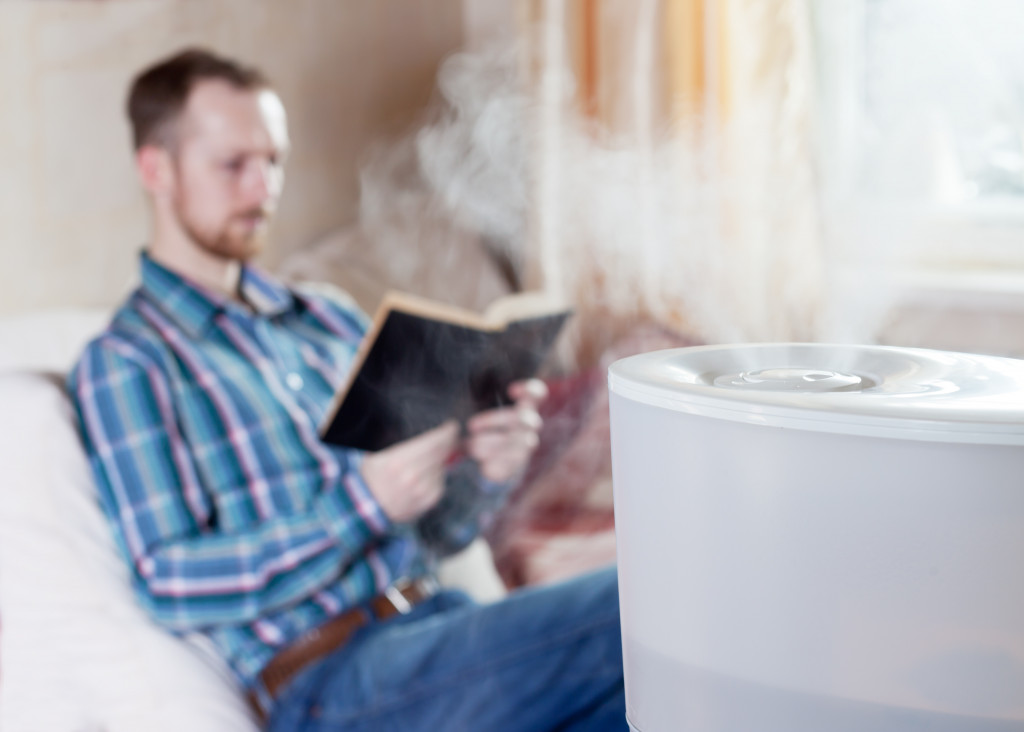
(407, 479)
(502, 440)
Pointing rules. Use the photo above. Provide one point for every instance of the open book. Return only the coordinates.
(423, 362)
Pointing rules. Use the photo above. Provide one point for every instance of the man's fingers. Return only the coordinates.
(506, 418)
(528, 393)
(408, 478)
(488, 445)
(504, 466)
(502, 440)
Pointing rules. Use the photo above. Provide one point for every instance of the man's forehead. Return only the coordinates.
(223, 114)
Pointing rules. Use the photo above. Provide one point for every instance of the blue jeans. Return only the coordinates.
(543, 659)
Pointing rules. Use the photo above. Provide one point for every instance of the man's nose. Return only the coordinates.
(263, 182)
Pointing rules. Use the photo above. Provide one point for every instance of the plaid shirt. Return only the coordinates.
(200, 418)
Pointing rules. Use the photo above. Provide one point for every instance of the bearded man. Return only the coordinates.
(310, 568)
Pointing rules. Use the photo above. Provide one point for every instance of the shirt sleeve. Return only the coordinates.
(189, 574)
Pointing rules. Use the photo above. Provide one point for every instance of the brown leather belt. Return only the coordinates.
(318, 642)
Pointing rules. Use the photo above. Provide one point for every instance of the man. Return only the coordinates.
(308, 567)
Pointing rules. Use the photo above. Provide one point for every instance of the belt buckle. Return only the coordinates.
(402, 605)
(395, 592)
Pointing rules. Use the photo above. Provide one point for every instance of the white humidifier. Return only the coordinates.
(820, 538)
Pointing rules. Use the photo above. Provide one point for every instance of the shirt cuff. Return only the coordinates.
(471, 469)
(494, 487)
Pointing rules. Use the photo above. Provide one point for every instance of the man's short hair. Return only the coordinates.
(160, 92)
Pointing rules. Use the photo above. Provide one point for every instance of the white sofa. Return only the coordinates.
(76, 653)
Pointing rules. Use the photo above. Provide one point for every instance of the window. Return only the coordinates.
(924, 108)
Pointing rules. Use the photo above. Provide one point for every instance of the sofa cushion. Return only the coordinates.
(48, 340)
(76, 651)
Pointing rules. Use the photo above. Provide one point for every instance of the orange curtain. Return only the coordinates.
(690, 43)
(627, 85)
(671, 135)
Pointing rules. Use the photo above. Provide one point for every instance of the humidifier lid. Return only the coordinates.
(878, 391)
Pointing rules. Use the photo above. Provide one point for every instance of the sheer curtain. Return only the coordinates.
(673, 167)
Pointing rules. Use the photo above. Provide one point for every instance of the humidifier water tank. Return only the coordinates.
(819, 538)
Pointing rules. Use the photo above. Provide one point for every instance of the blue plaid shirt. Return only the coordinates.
(200, 417)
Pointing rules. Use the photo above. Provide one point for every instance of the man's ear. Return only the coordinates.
(156, 169)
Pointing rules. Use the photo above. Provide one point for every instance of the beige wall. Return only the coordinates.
(71, 215)
(487, 22)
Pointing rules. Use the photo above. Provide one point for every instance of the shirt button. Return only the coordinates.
(294, 381)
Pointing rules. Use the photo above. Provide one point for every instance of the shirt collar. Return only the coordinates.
(193, 307)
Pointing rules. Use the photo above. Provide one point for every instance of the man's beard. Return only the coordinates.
(224, 242)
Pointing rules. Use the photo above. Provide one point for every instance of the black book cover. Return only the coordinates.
(420, 366)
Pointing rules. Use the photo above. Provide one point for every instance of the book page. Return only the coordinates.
(520, 305)
(432, 309)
